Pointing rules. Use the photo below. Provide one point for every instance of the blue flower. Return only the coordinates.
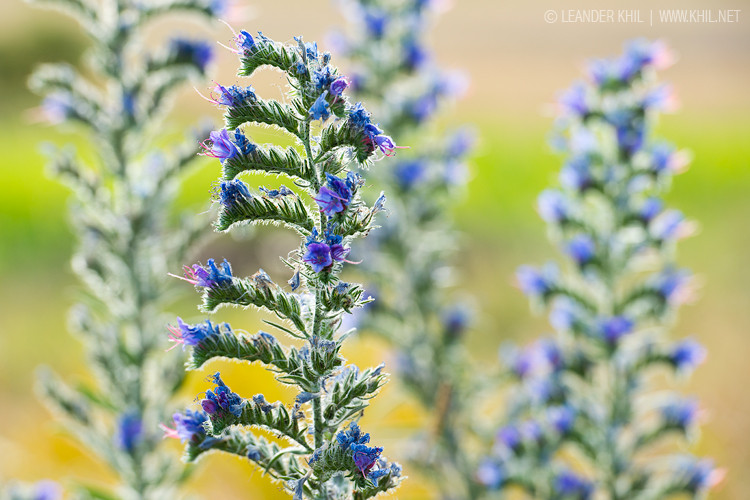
(581, 249)
(338, 86)
(611, 330)
(222, 400)
(234, 192)
(669, 225)
(490, 474)
(679, 414)
(673, 285)
(220, 146)
(198, 52)
(455, 320)
(245, 42)
(509, 437)
(260, 401)
(700, 475)
(414, 55)
(243, 143)
(365, 456)
(253, 453)
(129, 431)
(319, 109)
(193, 335)
(233, 96)
(561, 418)
(575, 100)
(376, 21)
(188, 426)
(576, 174)
(650, 209)
(57, 107)
(409, 173)
(537, 283)
(209, 276)
(553, 206)
(569, 485)
(686, 355)
(351, 436)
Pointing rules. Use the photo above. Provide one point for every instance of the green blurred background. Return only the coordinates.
(517, 63)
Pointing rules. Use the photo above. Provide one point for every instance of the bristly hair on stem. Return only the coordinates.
(321, 451)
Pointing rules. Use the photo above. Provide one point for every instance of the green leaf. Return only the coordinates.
(270, 159)
(266, 112)
(288, 210)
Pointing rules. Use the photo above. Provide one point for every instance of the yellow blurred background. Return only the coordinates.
(517, 62)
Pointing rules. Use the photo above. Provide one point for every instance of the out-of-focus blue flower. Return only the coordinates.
(260, 401)
(581, 249)
(687, 354)
(198, 52)
(376, 21)
(508, 437)
(409, 173)
(612, 329)
(574, 99)
(537, 283)
(679, 414)
(576, 174)
(129, 431)
(561, 418)
(490, 474)
(553, 206)
(570, 485)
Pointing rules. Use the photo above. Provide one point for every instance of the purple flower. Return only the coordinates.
(508, 437)
(188, 426)
(455, 320)
(581, 249)
(375, 22)
(650, 209)
(409, 173)
(338, 86)
(365, 456)
(611, 330)
(245, 42)
(669, 225)
(414, 55)
(221, 145)
(351, 436)
(673, 286)
(335, 197)
(318, 255)
(701, 475)
(260, 401)
(319, 109)
(129, 431)
(687, 354)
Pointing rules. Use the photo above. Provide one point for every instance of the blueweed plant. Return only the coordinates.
(319, 451)
(586, 418)
(394, 72)
(122, 214)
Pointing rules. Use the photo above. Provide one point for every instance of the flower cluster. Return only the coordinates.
(311, 460)
(123, 211)
(413, 312)
(586, 388)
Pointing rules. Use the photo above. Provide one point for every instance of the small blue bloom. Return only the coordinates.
(188, 426)
(650, 209)
(338, 86)
(129, 431)
(490, 474)
(561, 418)
(700, 475)
(365, 456)
(319, 109)
(304, 397)
(553, 206)
(260, 401)
(672, 285)
(243, 143)
(569, 485)
(57, 107)
(581, 249)
(234, 192)
(687, 354)
(294, 281)
(670, 225)
(679, 414)
(198, 52)
(222, 400)
(536, 283)
(574, 100)
(209, 276)
(509, 437)
(335, 197)
(245, 42)
(414, 55)
(456, 319)
(576, 174)
(353, 435)
(611, 330)
(193, 335)
(376, 21)
(253, 453)
(409, 173)
(323, 77)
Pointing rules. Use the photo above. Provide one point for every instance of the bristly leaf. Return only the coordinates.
(288, 210)
(266, 112)
(269, 159)
(244, 293)
(268, 53)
